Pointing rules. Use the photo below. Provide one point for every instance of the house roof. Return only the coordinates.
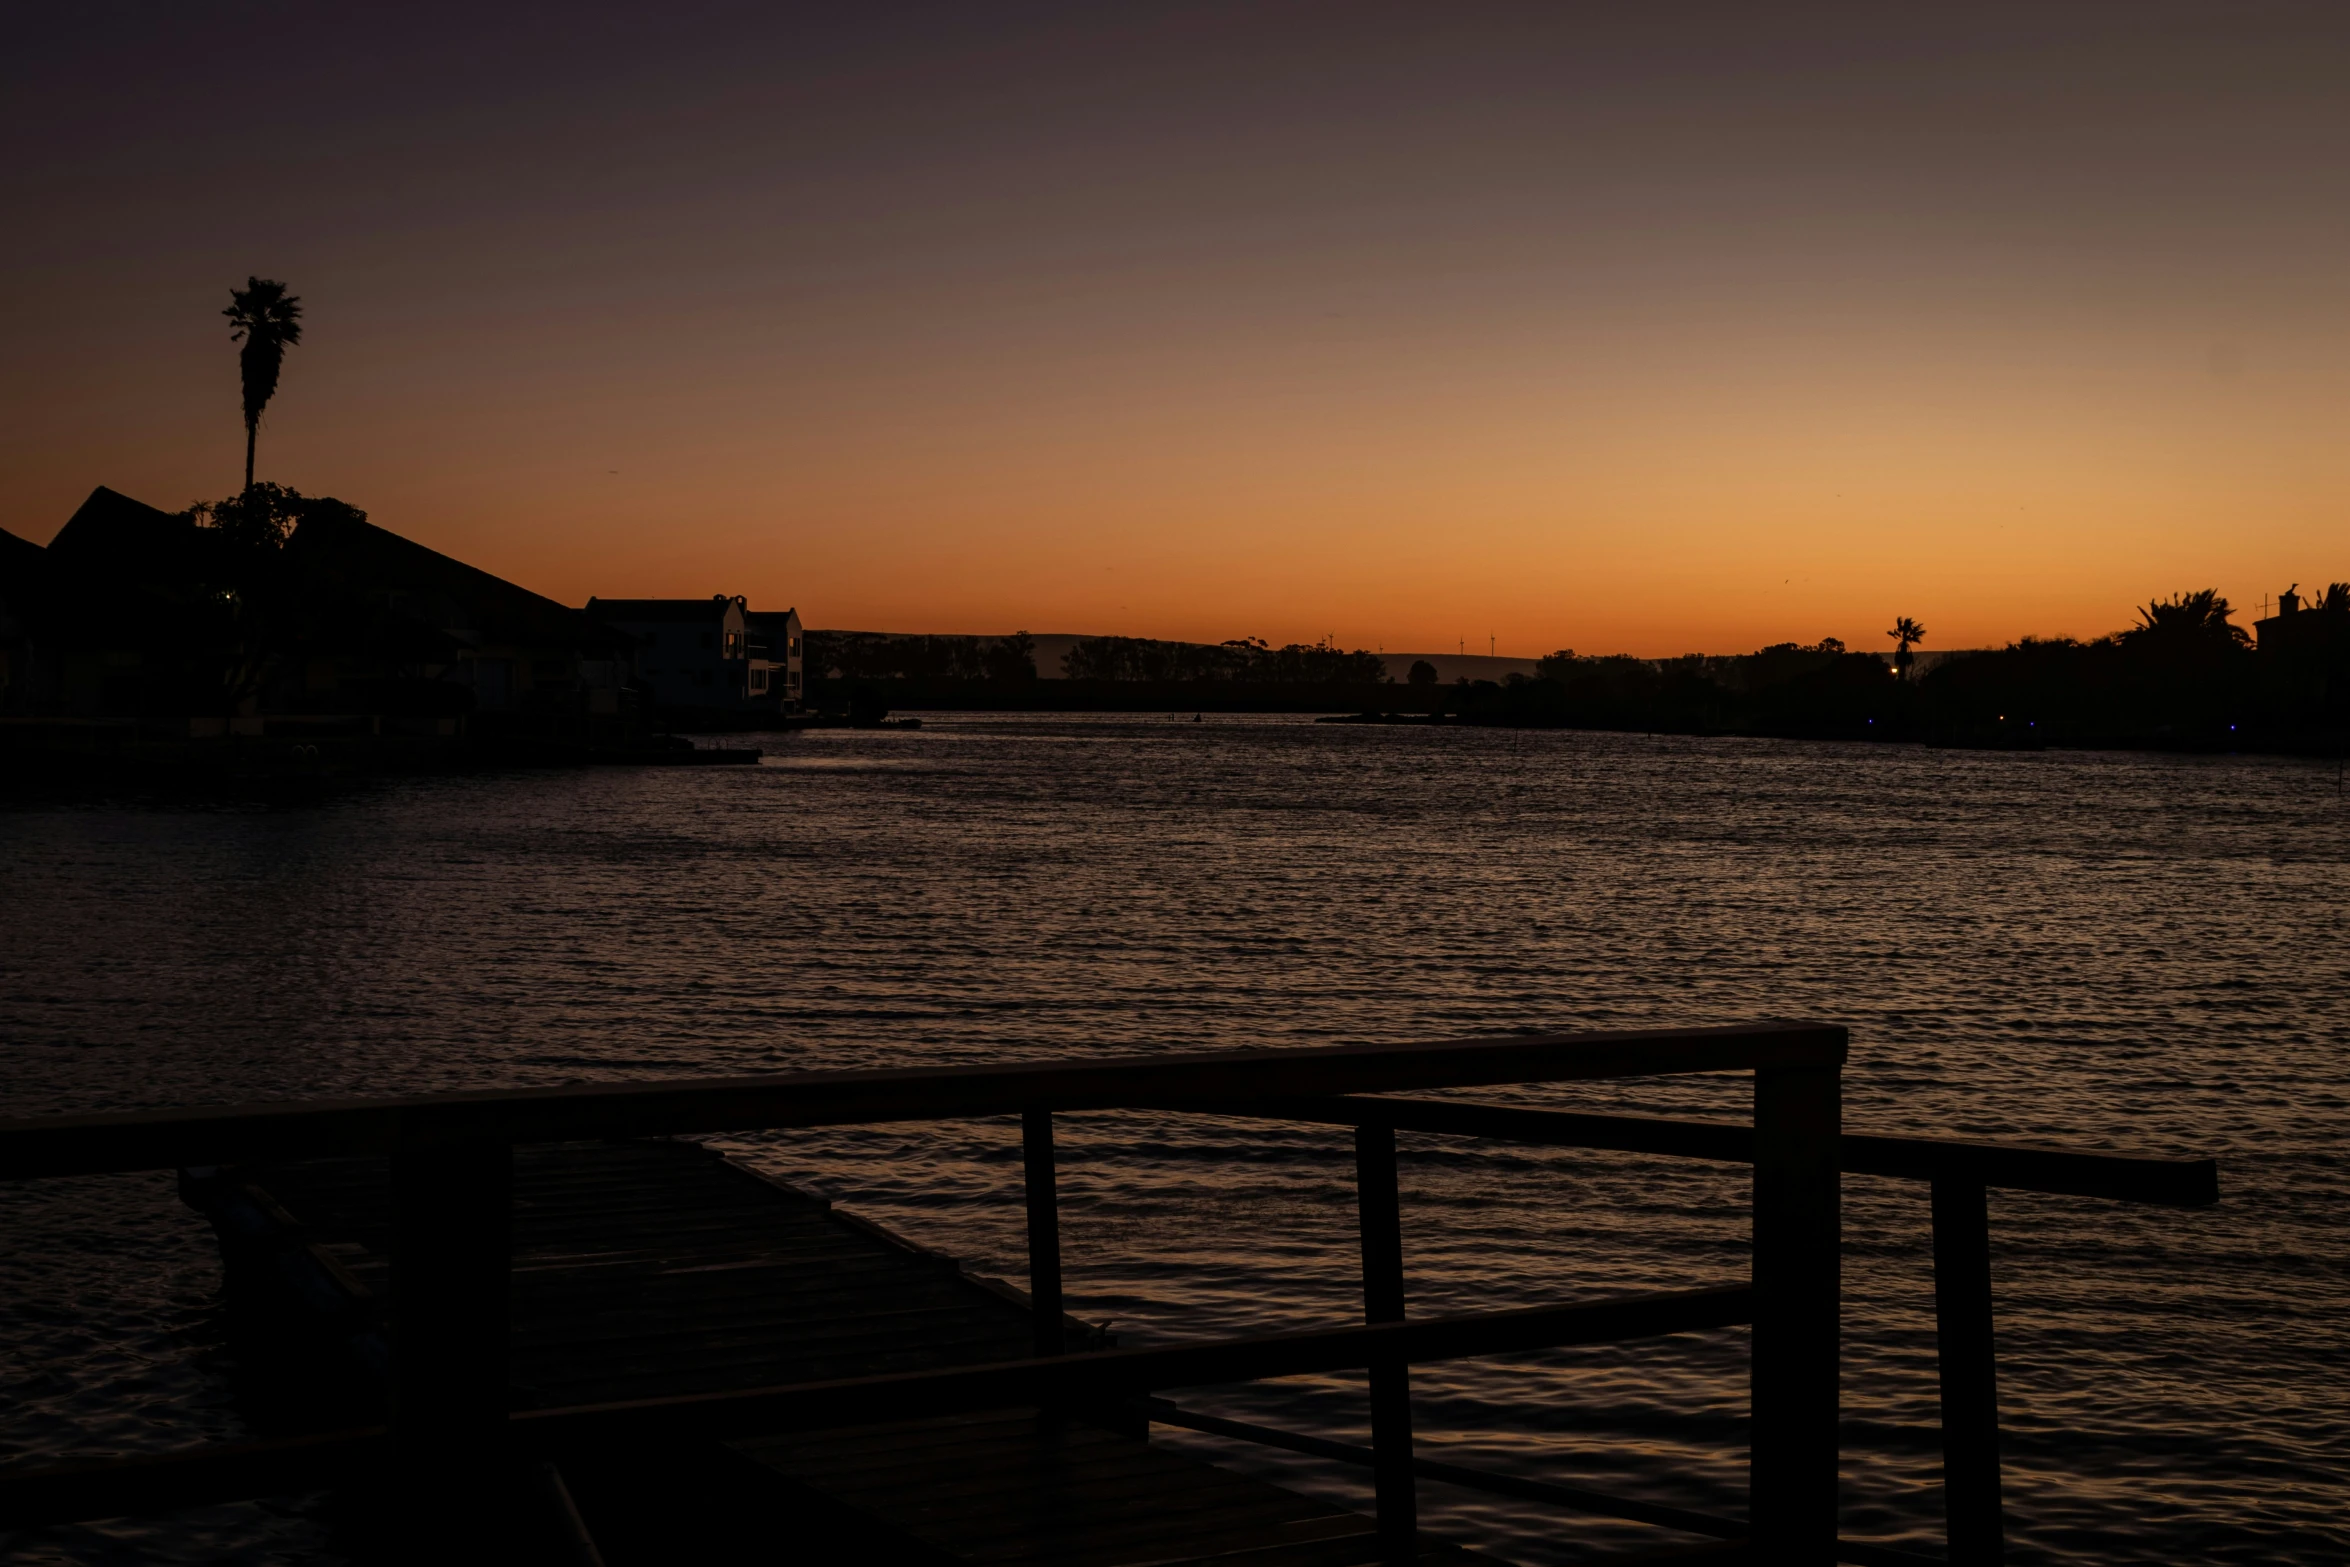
(125, 542)
(679, 610)
(346, 555)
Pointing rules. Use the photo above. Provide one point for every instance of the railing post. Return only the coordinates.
(1380, 1209)
(1798, 1118)
(452, 1279)
(1970, 1378)
(1044, 1229)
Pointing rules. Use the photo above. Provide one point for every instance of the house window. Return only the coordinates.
(493, 682)
(734, 644)
(758, 679)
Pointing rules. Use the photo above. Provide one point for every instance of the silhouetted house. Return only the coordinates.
(777, 663)
(709, 657)
(134, 615)
(2304, 653)
(415, 615)
(165, 624)
(2296, 625)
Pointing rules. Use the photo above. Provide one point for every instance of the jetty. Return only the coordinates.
(546, 1325)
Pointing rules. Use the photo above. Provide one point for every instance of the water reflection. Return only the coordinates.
(2112, 951)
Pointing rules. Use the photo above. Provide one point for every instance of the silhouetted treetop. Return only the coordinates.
(264, 516)
(1010, 658)
(1906, 634)
(2201, 616)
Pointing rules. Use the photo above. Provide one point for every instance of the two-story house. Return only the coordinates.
(775, 656)
(690, 653)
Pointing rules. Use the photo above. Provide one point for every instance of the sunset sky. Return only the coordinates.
(1699, 329)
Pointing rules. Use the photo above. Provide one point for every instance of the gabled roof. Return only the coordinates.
(684, 611)
(121, 542)
(347, 556)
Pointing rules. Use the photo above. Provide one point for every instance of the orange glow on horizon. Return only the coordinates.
(1405, 344)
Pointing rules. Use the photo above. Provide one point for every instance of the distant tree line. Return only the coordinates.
(1241, 659)
(868, 656)
(2185, 674)
(2185, 671)
(865, 655)
(1736, 672)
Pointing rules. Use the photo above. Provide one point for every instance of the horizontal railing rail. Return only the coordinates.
(65, 1492)
(2068, 1172)
(167, 1139)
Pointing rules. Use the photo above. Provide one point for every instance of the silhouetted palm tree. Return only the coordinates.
(2196, 617)
(1906, 633)
(268, 321)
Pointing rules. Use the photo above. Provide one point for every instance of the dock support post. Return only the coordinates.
(1044, 1229)
(1380, 1208)
(452, 1278)
(1970, 1386)
(1798, 1119)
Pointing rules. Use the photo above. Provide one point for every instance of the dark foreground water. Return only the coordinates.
(2114, 951)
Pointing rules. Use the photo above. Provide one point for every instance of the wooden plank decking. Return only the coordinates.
(653, 1268)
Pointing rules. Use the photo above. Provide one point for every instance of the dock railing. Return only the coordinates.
(1959, 1174)
(451, 1435)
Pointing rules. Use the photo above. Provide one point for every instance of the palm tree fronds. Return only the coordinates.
(2197, 616)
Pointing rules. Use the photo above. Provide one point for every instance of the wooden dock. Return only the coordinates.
(649, 1269)
(536, 1308)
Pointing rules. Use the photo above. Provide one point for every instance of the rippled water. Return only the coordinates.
(2114, 951)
